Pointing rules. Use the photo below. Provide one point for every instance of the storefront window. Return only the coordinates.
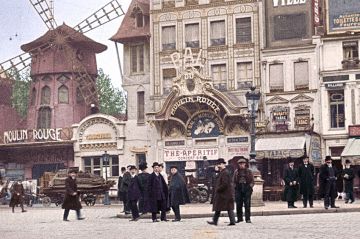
(96, 166)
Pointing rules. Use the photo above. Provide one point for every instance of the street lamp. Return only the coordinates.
(105, 158)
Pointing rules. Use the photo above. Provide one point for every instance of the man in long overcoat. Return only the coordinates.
(71, 199)
(158, 194)
(348, 175)
(143, 177)
(327, 176)
(121, 194)
(124, 189)
(178, 194)
(134, 194)
(17, 196)
(291, 184)
(306, 178)
(224, 195)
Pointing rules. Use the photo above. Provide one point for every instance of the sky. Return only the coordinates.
(18, 17)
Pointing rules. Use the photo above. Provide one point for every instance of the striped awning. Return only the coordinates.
(280, 147)
(352, 151)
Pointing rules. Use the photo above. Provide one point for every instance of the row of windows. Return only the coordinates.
(63, 95)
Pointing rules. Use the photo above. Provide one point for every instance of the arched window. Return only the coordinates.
(45, 95)
(79, 96)
(63, 95)
(139, 20)
(44, 118)
(33, 97)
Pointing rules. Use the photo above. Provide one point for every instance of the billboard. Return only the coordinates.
(343, 16)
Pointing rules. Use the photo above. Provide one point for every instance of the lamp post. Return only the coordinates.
(253, 98)
(105, 157)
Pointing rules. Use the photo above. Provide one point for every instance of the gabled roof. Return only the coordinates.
(73, 37)
(128, 31)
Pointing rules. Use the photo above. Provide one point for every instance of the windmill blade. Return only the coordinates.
(104, 15)
(16, 63)
(44, 10)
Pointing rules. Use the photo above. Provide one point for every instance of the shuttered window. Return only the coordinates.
(192, 35)
(244, 75)
(137, 58)
(276, 77)
(140, 107)
(243, 30)
(168, 38)
(217, 33)
(219, 76)
(301, 75)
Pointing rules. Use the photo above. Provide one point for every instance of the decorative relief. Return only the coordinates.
(217, 12)
(191, 14)
(244, 8)
(173, 129)
(97, 146)
(167, 17)
(94, 121)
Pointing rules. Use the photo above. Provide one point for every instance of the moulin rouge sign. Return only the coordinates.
(29, 135)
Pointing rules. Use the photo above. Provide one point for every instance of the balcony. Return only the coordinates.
(350, 63)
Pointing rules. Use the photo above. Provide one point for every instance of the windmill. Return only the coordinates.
(62, 55)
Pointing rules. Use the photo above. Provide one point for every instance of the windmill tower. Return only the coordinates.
(63, 68)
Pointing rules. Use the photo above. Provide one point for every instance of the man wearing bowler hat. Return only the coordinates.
(223, 198)
(244, 183)
(291, 183)
(327, 175)
(134, 194)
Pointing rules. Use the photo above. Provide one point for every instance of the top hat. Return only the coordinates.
(155, 164)
(347, 161)
(220, 161)
(132, 167)
(143, 166)
(328, 158)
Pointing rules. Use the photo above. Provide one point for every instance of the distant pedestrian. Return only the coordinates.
(223, 197)
(71, 200)
(306, 179)
(348, 175)
(328, 175)
(124, 189)
(134, 194)
(158, 194)
(291, 184)
(178, 194)
(121, 194)
(143, 177)
(17, 196)
(244, 183)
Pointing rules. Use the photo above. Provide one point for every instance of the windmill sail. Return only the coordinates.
(45, 12)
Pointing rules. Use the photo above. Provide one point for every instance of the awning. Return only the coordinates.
(280, 147)
(352, 151)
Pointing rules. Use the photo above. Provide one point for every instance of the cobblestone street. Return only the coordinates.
(101, 222)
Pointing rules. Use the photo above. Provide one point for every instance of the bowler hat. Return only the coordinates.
(155, 164)
(290, 160)
(347, 161)
(143, 166)
(328, 158)
(132, 167)
(173, 166)
(220, 161)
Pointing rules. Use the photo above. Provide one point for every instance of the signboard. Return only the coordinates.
(281, 3)
(205, 124)
(280, 114)
(343, 16)
(237, 140)
(316, 12)
(334, 85)
(280, 154)
(196, 99)
(27, 135)
(354, 130)
(175, 143)
(190, 154)
(302, 116)
(335, 78)
(238, 151)
(315, 150)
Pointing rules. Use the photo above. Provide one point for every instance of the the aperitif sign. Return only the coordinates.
(190, 154)
(27, 135)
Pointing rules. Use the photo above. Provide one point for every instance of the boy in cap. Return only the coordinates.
(328, 174)
(348, 175)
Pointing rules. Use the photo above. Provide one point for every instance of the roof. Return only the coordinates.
(128, 31)
(75, 38)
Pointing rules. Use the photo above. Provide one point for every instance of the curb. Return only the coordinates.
(259, 213)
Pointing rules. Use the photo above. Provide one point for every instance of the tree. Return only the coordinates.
(111, 100)
(20, 91)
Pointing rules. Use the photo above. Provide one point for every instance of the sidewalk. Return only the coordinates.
(271, 208)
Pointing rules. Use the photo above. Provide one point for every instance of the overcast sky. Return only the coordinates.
(18, 17)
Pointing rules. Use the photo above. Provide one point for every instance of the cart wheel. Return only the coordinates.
(203, 195)
(46, 201)
(194, 195)
(93, 201)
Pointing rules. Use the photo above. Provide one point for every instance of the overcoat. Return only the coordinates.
(134, 189)
(71, 201)
(349, 182)
(324, 179)
(224, 192)
(291, 175)
(17, 194)
(306, 179)
(144, 192)
(178, 194)
(157, 189)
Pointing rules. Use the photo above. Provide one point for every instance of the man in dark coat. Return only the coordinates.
(306, 178)
(143, 177)
(124, 189)
(71, 199)
(244, 183)
(120, 194)
(291, 184)
(223, 198)
(327, 177)
(158, 194)
(348, 175)
(178, 194)
(134, 194)
(17, 196)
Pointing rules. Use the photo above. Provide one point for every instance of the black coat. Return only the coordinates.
(178, 194)
(144, 191)
(120, 194)
(17, 194)
(349, 182)
(224, 192)
(324, 179)
(71, 201)
(306, 179)
(134, 189)
(158, 190)
(125, 182)
(291, 175)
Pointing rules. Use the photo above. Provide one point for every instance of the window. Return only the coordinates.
(139, 20)
(63, 95)
(97, 166)
(140, 107)
(192, 35)
(350, 50)
(276, 77)
(79, 96)
(337, 109)
(244, 75)
(168, 38)
(33, 97)
(243, 30)
(137, 58)
(217, 33)
(219, 75)
(44, 118)
(168, 76)
(140, 159)
(45, 95)
(301, 75)
(290, 26)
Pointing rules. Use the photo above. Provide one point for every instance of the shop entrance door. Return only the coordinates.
(39, 169)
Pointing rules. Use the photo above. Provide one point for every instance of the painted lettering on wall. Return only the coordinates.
(16, 136)
(190, 154)
(288, 2)
(195, 99)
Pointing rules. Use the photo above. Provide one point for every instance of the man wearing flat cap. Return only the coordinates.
(143, 177)
(244, 183)
(291, 179)
(178, 194)
(71, 200)
(223, 197)
(158, 194)
(348, 175)
(328, 175)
